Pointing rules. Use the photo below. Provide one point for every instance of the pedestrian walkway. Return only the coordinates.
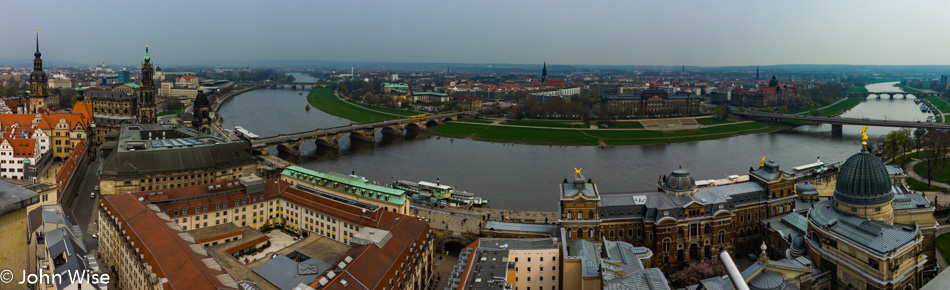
(910, 173)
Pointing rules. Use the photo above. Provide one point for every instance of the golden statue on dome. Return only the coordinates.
(762, 163)
(577, 171)
(864, 136)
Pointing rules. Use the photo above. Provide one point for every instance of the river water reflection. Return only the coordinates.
(527, 176)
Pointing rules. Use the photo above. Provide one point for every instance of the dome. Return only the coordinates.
(201, 99)
(806, 188)
(863, 180)
(798, 243)
(768, 280)
(679, 180)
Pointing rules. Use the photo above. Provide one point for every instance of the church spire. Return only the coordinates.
(544, 73)
(757, 73)
(37, 54)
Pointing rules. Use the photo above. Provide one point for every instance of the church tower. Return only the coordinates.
(39, 82)
(756, 72)
(146, 99)
(544, 73)
(202, 110)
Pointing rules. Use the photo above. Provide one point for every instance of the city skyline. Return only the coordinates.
(613, 33)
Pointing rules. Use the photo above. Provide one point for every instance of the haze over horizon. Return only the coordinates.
(706, 33)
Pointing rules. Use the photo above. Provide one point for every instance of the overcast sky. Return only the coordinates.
(702, 33)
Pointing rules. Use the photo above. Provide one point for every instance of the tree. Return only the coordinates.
(699, 271)
(918, 134)
(896, 143)
(936, 142)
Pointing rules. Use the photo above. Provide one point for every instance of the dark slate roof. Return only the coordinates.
(806, 188)
(522, 227)
(152, 148)
(13, 197)
(873, 235)
(570, 190)
(653, 206)
(863, 180)
(767, 280)
(679, 180)
(283, 271)
(769, 171)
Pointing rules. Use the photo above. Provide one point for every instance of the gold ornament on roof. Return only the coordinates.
(577, 171)
(762, 163)
(864, 136)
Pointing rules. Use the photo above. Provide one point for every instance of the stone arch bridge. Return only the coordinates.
(290, 143)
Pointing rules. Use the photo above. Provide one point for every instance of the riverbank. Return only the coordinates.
(548, 133)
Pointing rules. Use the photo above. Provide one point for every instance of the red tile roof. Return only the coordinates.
(170, 256)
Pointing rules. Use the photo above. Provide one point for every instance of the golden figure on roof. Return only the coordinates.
(864, 136)
(763, 161)
(577, 171)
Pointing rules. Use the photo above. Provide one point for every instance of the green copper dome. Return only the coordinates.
(863, 180)
(146, 54)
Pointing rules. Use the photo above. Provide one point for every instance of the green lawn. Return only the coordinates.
(939, 175)
(857, 89)
(841, 107)
(907, 88)
(594, 137)
(920, 186)
(243, 87)
(714, 121)
(940, 103)
(622, 125)
(400, 112)
(323, 99)
(172, 111)
(550, 123)
(476, 121)
(943, 246)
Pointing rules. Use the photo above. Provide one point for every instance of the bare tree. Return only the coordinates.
(918, 134)
(699, 271)
(936, 142)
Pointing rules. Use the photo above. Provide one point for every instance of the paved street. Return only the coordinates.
(84, 209)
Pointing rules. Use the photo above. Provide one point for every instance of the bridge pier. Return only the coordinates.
(395, 130)
(328, 141)
(836, 130)
(367, 135)
(288, 149)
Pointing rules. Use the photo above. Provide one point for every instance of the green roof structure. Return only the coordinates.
(351, 184)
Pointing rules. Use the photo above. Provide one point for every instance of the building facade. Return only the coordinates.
(351, 186)
(146, 98)
(652, 103)
(680, 222)
(388, 249)
(150, 156)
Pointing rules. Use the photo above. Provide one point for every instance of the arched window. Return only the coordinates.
(569, 233)
(580, 234)
(722, 237)
(590, 233)
(666, 245)
(708, 229)
(580, 215)
(590, 215)
(679, 232)
(568, 215)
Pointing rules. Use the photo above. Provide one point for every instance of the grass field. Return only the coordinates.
(857, 89)
(941, 103)
(920, 186)
(475, 121)
(943, 246)
(400, 112)
(622, 125)
(939, 175)
(172, 111)
(323, 99)
(714, 121)
(841, 107)
(594, 137)
(550, 123)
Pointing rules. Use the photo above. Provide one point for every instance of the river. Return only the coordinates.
(526, 176)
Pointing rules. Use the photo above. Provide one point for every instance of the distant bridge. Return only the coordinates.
(836, 122)
(892, 94)
(290, 143)
(296, 85)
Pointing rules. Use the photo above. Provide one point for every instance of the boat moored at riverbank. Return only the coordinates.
(439, 191)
